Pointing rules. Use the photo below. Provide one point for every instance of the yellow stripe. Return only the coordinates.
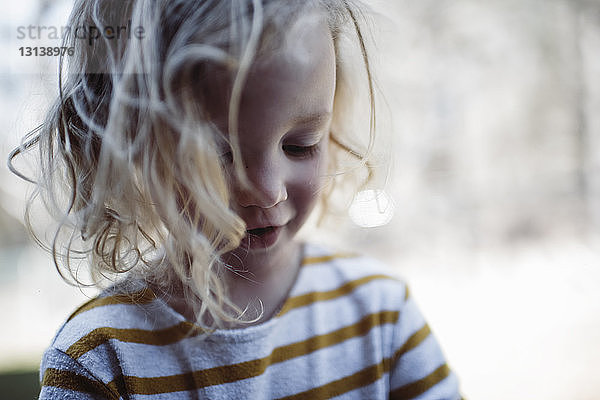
(373, 373)
(248, 369)
(84, 307)
(71, 381)
(144, 296)
(178, 332)
(157, 338)
(338, 387)
(368, 376)
(324, 259)
(414, 389)
(313, 297)
(413, 341)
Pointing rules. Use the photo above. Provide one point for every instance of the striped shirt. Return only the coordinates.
(347, 330)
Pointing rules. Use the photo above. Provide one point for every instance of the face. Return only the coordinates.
(284, 120)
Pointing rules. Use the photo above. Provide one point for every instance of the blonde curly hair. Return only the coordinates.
(128, 160)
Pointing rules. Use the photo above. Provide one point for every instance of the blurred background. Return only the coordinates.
(492, 202)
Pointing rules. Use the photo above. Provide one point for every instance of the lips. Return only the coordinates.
(263, 237)
(260, 231)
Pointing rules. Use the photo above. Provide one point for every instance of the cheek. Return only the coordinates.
(308, 182)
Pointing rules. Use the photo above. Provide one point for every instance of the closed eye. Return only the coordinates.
(298, 151)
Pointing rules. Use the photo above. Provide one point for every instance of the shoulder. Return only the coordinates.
(113, 310)
(63, 377)
(381, 299)
(351, 273)
(83, 357)
(353, 290)
(344, 287)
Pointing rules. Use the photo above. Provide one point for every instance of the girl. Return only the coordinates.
(181, 159)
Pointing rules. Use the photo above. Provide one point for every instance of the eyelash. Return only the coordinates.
(295, 151)
(301, 151)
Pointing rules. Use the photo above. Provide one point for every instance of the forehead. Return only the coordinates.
(294, 75)
(299, 75)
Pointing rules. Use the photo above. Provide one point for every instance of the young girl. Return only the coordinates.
(190, 142)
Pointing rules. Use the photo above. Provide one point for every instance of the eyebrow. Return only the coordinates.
(312, 119)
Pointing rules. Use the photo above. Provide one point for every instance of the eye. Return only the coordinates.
(299, 151)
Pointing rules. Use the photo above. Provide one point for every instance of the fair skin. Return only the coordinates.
(284, 120)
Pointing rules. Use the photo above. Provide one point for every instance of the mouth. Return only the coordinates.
(260, 231)
(263, 237)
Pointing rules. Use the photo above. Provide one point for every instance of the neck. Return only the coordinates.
(265, 278)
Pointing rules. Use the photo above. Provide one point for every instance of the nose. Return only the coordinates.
(267, 185)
